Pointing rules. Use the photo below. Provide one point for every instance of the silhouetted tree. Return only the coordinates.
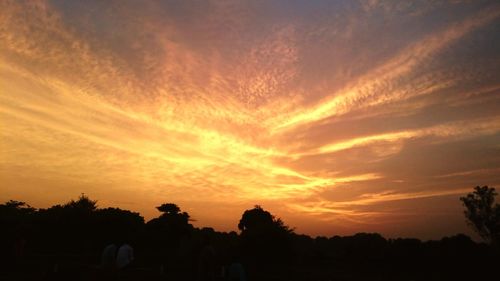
(263, 236)
(482, 214)
(16, 205)
(15, 225)
(117, 225)
(83, 204)
(14, 211)
(171, 219)
(259, 220)
(70, 228)
(167, 230)
(169, 209)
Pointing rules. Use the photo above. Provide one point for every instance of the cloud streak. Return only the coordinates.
(368, 88)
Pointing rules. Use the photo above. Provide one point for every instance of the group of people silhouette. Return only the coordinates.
(120, 257)
(117, 257)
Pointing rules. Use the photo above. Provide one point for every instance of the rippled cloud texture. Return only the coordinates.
(337, 116)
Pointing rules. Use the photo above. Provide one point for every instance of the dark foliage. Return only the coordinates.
(265, 240)
(482, 213)
(165, 233)
(64, 242)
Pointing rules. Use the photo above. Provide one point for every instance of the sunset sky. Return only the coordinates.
(336, 116)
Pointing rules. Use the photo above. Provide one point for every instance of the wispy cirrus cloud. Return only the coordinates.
(371, 89)
(243, 102)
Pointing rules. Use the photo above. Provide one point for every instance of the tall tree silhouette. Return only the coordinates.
(482, 214)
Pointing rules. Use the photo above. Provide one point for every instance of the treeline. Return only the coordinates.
(65, 242)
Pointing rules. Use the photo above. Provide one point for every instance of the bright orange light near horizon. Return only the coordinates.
(333, 117)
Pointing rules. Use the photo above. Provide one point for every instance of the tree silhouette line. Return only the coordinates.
(65, 242)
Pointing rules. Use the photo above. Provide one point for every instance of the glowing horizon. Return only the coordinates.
(337, 117)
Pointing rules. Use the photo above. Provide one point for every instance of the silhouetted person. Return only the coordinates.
(235, 271)
(125, 256)
(206, 261)
(19, 247)
(108, 256)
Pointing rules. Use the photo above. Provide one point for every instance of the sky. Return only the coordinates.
(336, 116)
